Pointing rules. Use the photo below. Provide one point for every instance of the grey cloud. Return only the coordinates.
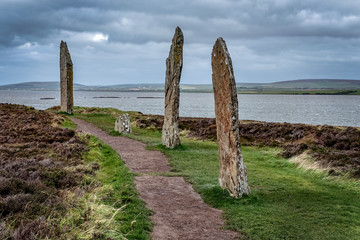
(273, 38)
(142, 21)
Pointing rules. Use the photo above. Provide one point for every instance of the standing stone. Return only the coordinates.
(122, 124)
(233, 175)
(66, 79)
(170, 130)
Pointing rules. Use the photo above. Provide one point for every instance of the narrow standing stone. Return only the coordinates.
(233, 175)
(170, 130)
(66, 79)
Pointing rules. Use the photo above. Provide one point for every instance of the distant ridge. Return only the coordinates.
(46, 86)
(320, 80)
(319, 84)
(300, 86)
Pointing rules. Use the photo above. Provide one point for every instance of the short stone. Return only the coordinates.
(123, 124)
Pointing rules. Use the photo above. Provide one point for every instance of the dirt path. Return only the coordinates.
(179, 212)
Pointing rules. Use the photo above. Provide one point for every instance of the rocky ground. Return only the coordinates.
(39, 164)
(334, 148)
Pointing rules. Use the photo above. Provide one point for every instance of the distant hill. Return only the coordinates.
(302, 86)
(149, 87)
(317, 84)
(42, 86)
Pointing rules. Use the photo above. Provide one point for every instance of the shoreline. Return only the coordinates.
(330, 92)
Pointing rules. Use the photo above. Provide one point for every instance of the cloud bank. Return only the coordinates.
(114, 42)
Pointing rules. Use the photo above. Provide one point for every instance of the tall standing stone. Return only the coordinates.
(66, 79)
(233, 174)
(170, 130)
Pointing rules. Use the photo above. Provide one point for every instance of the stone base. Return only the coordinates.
(171, 137)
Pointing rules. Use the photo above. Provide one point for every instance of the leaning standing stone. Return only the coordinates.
(170, 130)
(66, 79)
(122, 124)
(233, 175)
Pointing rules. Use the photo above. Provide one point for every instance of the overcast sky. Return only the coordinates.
(127, 41)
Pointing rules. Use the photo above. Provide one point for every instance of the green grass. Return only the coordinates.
(104, 118)
(286, 202)
(133, 221)
(69, 124)
(112, 209)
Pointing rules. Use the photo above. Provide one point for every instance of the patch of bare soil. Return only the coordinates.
(336, 148)
(179, 212)
(36, 159)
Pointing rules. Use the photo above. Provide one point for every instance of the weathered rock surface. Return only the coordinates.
(170, 130)
(123, 124)
(66, 79)
(233, 174)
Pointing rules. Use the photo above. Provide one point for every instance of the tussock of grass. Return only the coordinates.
(90, 217)
(304, 161)
(287, 202)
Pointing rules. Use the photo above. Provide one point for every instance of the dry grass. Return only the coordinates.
(96, 218)
(305, 161)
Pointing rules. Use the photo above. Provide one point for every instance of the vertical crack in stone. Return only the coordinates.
(233, 175)
(66, 79)
(174, 63)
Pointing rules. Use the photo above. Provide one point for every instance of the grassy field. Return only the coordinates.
(112, 210)
(286, 202)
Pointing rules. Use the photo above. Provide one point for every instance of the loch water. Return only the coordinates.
(339, 110)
